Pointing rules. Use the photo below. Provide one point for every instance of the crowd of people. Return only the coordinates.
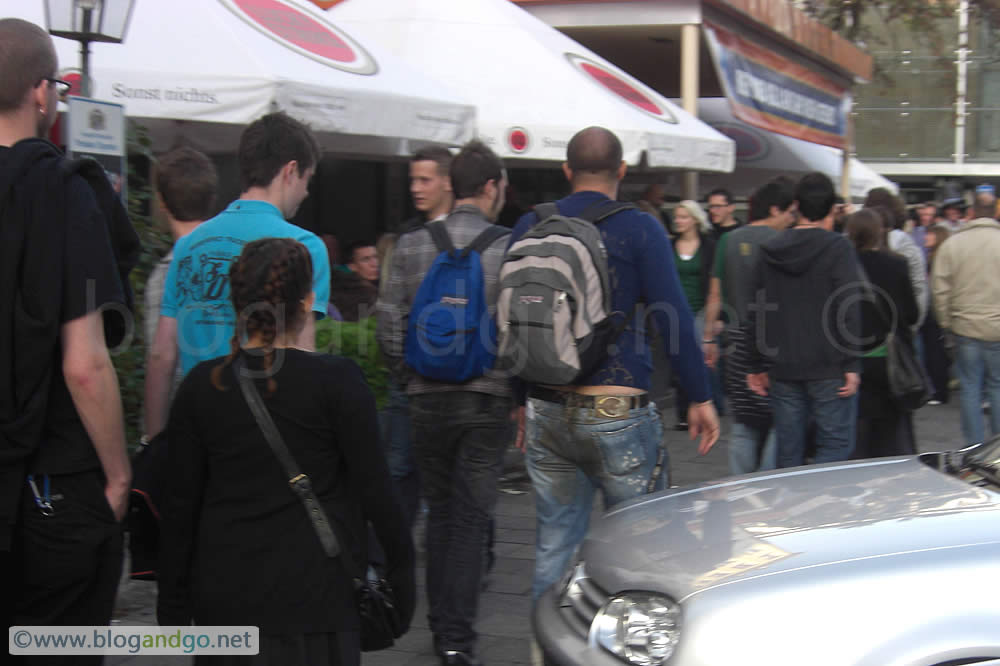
(785, 321)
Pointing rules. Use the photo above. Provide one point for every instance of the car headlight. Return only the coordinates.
(638, 627)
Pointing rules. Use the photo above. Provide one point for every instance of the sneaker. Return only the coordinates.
(456, 658)
(681, 425)
(933, 403)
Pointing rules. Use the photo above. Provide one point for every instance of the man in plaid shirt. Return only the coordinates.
(460, 431)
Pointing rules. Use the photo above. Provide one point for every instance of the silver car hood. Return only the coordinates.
(684, 541)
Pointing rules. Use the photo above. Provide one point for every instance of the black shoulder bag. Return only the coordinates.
(380, 621)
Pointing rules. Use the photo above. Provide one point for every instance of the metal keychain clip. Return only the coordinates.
(43, 502)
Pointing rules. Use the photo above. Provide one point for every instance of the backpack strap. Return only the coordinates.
(546, 210)
(440, 236)
(595, 213)
(602, 210)
(483, 241)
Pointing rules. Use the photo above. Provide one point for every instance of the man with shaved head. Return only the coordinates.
(64, 472)
(604, 432)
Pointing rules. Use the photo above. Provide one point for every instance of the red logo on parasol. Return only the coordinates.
(751, 145)
(300, 30)
(630, 91)
(517, 139)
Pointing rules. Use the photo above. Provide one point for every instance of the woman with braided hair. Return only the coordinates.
(238, 547)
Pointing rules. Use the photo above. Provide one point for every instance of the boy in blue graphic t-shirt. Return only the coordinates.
(277, 156)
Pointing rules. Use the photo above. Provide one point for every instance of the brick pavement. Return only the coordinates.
(504, 624)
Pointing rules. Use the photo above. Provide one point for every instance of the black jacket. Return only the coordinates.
(806, 323)
(895, 305)
(32, 210)
(894, 308)
(237, 547)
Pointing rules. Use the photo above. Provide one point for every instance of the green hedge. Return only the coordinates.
(130, 360)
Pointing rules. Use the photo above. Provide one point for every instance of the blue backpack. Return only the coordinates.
(451, 336)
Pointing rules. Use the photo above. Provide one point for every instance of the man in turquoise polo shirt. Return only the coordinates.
(277, 157)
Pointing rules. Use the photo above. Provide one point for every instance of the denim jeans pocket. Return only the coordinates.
(622, 449)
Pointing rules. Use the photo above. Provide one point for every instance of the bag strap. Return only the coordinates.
(300, 483)
(595, 213)
(440, 236)
(602, 210)
(483, 241)
(873, 297)
(546, 210)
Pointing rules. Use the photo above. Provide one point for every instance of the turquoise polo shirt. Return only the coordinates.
(197, 288)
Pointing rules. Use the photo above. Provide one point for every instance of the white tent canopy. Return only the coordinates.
(763, 155)
(533, 87)
(203, 69)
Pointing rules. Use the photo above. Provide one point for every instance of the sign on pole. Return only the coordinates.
(773, 93)
(97, 130)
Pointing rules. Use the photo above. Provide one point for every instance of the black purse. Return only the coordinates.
(148, 485)
(908, 382)
(381, 624)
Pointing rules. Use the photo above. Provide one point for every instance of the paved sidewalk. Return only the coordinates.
(504, 623)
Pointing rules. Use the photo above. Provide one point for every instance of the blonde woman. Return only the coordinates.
(694, 252)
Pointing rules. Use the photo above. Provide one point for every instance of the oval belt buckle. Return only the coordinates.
(619, 406)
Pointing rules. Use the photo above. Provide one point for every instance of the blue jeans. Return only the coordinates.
(459, 438)
(395, 422)
(744, 444)
(795, 404)
(570, 452)
(977, 366)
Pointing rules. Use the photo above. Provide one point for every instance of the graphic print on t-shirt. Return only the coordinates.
(203, 298)
(187, 284)
(214, 276)
(196, 291)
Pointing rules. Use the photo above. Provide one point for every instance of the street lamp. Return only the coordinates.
(87, 21)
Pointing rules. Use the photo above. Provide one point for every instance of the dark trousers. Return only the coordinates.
(68, 564)
(888, 435)
(394, 419)
(936, 360)
(884, 429)
(459, 440)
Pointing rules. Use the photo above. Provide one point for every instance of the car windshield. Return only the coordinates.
(978, 465)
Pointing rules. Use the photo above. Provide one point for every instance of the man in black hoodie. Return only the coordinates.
(66, 247)
(803, 330)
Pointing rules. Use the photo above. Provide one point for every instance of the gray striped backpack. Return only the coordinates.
(554, 307)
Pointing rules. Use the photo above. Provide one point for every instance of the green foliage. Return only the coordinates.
(130, 358)
(927, 28)
(873, 23)
(356, 341)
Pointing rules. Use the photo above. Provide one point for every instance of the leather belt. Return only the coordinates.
(609, 406)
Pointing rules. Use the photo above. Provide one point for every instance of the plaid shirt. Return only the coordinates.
(411, 259)
(155, 285)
